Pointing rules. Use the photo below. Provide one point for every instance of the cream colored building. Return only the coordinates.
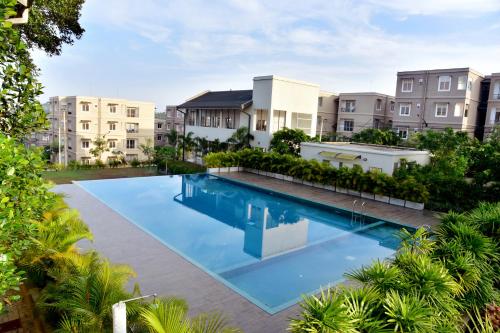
(370, 157)
(80, 120)
(273, 103)
(327, 113)
(493, 111)
(437, 99)
(359, 111)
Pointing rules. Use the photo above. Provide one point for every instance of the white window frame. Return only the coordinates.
(459, 107)
(134, 114)
(405, 82)
(403, 130)
(298, 118)
(111, 143)
(112, 108)
(159, 125)
(85, 144)
(438, 107)
(128, 146)
(462, 82)
(85, 107)
(378, 104)
(401, 109)
(158, 137)
(85, 125)
(112, 126)
(444, 79)
(349, 106)
(344, 125)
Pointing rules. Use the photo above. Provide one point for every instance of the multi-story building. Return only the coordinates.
(437, 99)
(327, 113)
(77, 121)
(272, 104)
(359, 111)
(171, 119)
(493, 104)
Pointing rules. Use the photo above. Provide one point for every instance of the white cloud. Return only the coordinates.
(441, 7)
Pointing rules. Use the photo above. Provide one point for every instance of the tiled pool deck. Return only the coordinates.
(160, 270)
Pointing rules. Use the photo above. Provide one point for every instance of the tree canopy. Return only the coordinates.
(287, 141)
(377, 136)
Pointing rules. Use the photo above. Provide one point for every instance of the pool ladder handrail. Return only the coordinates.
(361, 214)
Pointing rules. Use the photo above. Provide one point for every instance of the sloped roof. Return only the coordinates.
(231, 99)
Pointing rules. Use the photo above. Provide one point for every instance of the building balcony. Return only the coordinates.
(211, 133)
(347, 109)
(132, 130)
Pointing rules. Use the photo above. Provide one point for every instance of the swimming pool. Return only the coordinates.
(268, 247)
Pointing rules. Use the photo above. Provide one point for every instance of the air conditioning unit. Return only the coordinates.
(418, 105)
(420, 81)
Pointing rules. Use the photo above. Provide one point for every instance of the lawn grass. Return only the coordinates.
(66, 176)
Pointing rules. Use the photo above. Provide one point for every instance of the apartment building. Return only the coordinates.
(273, 103)
(359, 111)
(77, 121)
(170, 119)
(492, 118)
(328, 105)
(437, 99)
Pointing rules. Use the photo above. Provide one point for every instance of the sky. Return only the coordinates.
(166, 51)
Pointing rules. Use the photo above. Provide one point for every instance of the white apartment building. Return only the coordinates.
(77, 121)
(273, 103)
(170, 119)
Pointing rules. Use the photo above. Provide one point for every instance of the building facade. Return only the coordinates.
(328, 105)
(171, 119)
(77, 121)
(493, 104)
(272, 104)
(437, 99)
(359, 111)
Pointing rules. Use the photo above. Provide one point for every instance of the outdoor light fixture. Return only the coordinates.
(22, 11)
(120, 314)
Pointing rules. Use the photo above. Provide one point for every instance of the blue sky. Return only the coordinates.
(168, 50)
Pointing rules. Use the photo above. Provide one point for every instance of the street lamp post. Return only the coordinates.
(120, 314)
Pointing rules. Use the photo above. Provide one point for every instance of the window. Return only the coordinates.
(375, 169)
(407, 85)
(320, 101)
(112, 126)
(376, 124)
(279, 120)
(130, 143)
(168, 127)
(348, 125)
(404, 109)
(341, 164)
(349, 106)
(261, 116)
(302, 121)
(132, 128)
(462, 83)
(469, 85)
(132, 112)
(111, 143)
(458, 110)
(496, 90)
(112, 108)
(158, 138)
(393, 106)
(85, 107)
(497, 117)
(466, 110)
(403, 132)
(441, 110)
(229, 119)
(131, 157)
(444, 83)
(86, 125)
(86, 160)
(378, 104)
(85, 144)
(159, 125)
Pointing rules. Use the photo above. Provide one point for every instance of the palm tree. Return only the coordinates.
(173, 137)
(240, 139)
(170, 315)
(188, 142)
(84, 292)
(202, 145)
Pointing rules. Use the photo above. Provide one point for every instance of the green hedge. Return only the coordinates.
(313, 171)
(176, 167)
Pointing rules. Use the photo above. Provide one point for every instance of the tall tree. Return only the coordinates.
(287, 141)
(51, 24)
(100, 146)
(240, 139)
(148, 149)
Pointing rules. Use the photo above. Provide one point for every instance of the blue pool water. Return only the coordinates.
(268, 247)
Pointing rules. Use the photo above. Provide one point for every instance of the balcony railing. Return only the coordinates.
(132, 130)
(350, 109)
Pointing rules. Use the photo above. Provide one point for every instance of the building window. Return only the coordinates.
(132, 128)
(112, 126)
(403, 132)
(168, 127)
(378, 104)
(444, 83)
(130, 143)
(320, 101)
(349, 106)
(458, 110)
(158, 138)
(462, 83)
(497, 117)
(112, 108)
(466, 110)
(261, 124)
(85, 107)
(279, 120)
(348, 125)
(393, 106)
(441, 110)
(376, 124)
(469, 85)
(375, 169)
(112, 143)
(85, 160)
(85, 144)
(132, 112)
(407, 85)
(86, 125)
(302, 121)
(229, 118)
(404, 109)
(159, 125)
(131, 157)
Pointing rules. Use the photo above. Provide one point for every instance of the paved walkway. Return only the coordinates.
(373, 208)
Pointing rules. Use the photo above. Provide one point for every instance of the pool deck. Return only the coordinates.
(162, 271)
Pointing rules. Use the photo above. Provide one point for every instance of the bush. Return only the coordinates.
(135, 163)
(406, 187)
(181, 167)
